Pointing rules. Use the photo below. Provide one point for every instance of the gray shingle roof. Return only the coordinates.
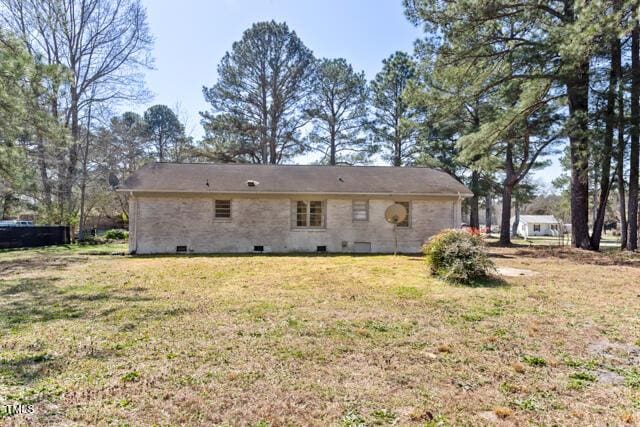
(290, 179)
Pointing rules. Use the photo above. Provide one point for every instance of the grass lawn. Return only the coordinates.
(92, 338)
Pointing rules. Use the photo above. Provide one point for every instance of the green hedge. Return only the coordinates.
(116, 234)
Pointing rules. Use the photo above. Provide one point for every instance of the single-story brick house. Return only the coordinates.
(208, 208)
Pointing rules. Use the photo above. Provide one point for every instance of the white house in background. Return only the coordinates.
(537, 225)
(268, 208)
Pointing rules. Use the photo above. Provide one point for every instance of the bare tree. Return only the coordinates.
(103, 44)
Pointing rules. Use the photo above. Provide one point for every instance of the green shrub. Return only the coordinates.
(116, 234)
(88, 240)
(457, 256)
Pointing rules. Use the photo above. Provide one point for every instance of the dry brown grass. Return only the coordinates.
(317, 340)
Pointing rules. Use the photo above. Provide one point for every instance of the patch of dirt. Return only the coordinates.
(623, 353)
(489, 416)
(515, 272)
(617, 355)
(608, 377)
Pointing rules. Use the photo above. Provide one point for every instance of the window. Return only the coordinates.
(315, 214)
(301, 214)
(536, 227)
(223, 209)
(407, 220)
(309, 213)
(360, 209)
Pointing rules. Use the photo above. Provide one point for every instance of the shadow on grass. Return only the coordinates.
(26, 301)
(491, 281)
(31, 301)
(23, 369)
(36, 300)
(19, 265)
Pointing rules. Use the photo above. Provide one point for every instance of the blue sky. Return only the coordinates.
(191, 36)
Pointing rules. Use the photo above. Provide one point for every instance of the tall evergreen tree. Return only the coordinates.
(25, 122)
(394, 124)
(452, 109)
(126, 143)
(515, 142)
(165, 132)
(548, 42)
(339, 112)
(260, 100)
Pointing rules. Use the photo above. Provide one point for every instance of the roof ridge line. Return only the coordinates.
(295, 165)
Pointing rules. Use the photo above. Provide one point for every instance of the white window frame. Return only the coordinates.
(359, 209)
(308, 202)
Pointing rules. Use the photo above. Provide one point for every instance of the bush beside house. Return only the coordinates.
(458, 256)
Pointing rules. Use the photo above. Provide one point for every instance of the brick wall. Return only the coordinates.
(160, 223)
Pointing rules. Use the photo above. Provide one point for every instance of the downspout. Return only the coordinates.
(135, 223)
(457, 205)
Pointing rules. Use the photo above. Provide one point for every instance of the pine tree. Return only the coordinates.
(394, 124)
(339, 112)
(260, 101)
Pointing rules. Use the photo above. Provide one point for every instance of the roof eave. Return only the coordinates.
(456, 194)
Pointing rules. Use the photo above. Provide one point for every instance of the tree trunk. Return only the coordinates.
(509, 183)
(634, 160)
(578, 97)
(160, 148)
(332, 154)
(44, 177)
(505, 226)
(85, 172)
(516, 217)
(617, 65)
(487, 212)
(397, 153)
(474, 220)
(6, 205)
(397, 143)
(605, 171)
(595, 183)
(72, 161)
(273, 141)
